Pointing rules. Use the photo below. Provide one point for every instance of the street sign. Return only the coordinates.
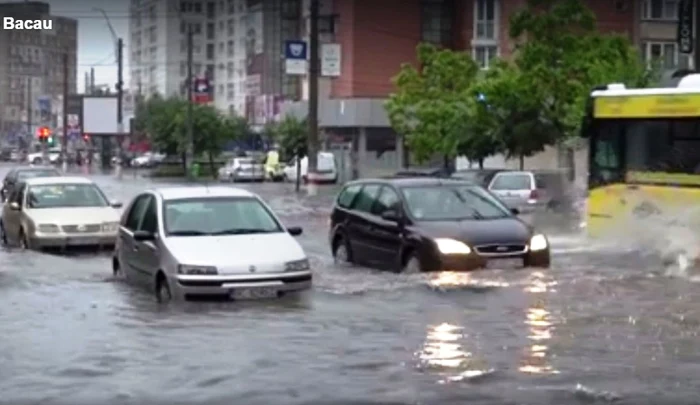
(295, 55)
(330, 60)
(685, 26)
(201, 91)
(44, 104)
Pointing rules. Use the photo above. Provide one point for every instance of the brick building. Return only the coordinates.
(376, 37)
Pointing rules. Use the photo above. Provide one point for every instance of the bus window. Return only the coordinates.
(606, 153)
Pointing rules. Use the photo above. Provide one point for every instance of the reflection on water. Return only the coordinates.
(540, 326)
(455, 280)
(443, 352)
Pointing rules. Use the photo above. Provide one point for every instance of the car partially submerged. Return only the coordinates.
(45, 212)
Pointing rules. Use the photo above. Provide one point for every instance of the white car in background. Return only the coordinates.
(45, 212)
(37, 158)
(327, 169)
(242, 169)
(148, 159)
(186, 242)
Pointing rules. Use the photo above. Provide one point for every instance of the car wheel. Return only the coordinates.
(3, 235)
(37, 161)
(541, 261)
(116, 269)
(163, 294)
(412, 265)
(341, 251)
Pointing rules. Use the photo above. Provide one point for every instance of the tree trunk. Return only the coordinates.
(522, 161)
(481, 163)
(184, 163)
(212, 167)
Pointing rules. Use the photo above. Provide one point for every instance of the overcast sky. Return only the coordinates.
(95, 43)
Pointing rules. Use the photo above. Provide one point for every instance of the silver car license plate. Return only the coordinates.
(505, 263)
(254, 293)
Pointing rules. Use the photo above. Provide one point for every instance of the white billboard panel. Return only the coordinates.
(100, 115)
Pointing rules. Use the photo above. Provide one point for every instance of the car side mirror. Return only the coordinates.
(116, 204)
(391, 215)
(14, 206)
(144, 236)
(295, 231)
(515, 211)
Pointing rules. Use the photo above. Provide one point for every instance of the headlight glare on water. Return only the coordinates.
(452, 247)
(197, 270)
(538, 242)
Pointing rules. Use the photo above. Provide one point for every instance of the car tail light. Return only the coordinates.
(534, 194)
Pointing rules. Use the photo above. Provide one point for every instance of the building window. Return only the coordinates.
(436, 24)
(209, 73)
(485, 19)
(231, 6)
(152, 13)
(666, 53)
(230, 48)
(210, 30)
(210, 51)
(230, 91)
(183, 69)
(231, 27)
(660, 10)
(211, 9)
(152, 34)
(229, 70)
(483, 55)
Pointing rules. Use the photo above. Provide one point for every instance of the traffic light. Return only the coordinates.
(43, 133)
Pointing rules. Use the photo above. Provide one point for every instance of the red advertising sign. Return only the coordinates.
(202, 91)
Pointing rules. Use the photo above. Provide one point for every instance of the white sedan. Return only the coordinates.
(208, 241)
(47, 212)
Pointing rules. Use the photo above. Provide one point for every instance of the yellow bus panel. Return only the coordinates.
(647, 106)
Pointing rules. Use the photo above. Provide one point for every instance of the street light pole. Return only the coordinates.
(312, 170)
(64, 139)
(189, 153)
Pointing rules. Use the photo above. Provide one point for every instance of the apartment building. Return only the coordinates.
(658, 25)
(31, 68)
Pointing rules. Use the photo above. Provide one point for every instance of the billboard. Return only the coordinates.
(100, 115)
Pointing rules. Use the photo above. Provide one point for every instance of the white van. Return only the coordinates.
(327, 169)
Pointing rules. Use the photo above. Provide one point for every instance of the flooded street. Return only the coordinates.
(602, 325)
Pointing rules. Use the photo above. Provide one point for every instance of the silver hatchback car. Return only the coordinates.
(208, 241)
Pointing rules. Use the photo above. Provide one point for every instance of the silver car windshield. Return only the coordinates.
(28, 174)
(443, 203)
(65, 195)
(218, 216)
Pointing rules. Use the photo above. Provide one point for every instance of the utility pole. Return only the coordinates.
(696, 48)
(120, 104)
(64, 139)
(189, 154)
(312, 170)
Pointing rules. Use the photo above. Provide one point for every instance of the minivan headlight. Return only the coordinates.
(452, 247)
(197, 270)
(110, 227)
(538, 242)
(297, 265)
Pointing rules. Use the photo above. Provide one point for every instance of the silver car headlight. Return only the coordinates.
(297, 265)
(196, 270)
(48, 228)
(448, 246)
(538, 242)
(110, 227)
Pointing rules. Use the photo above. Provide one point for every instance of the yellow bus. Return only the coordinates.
(644, 154)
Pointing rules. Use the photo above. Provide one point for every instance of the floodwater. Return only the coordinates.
(604, 324)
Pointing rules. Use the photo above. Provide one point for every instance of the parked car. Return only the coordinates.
(208, 241)
(47, 212)
(22, 173)
(428, 224)
(242, 169)
(430, 172)
(327, 169)
(53, 155)
(481, 177)
(148, 159)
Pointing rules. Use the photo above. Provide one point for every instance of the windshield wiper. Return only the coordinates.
(188, 233)
(241, 231)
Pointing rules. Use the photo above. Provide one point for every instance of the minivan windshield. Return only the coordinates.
(444, 203)
(27, 174)
(218, 216)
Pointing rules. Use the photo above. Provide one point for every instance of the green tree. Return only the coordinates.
(212, 131)
(292, 135)
(432, 101)
(561, 56)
